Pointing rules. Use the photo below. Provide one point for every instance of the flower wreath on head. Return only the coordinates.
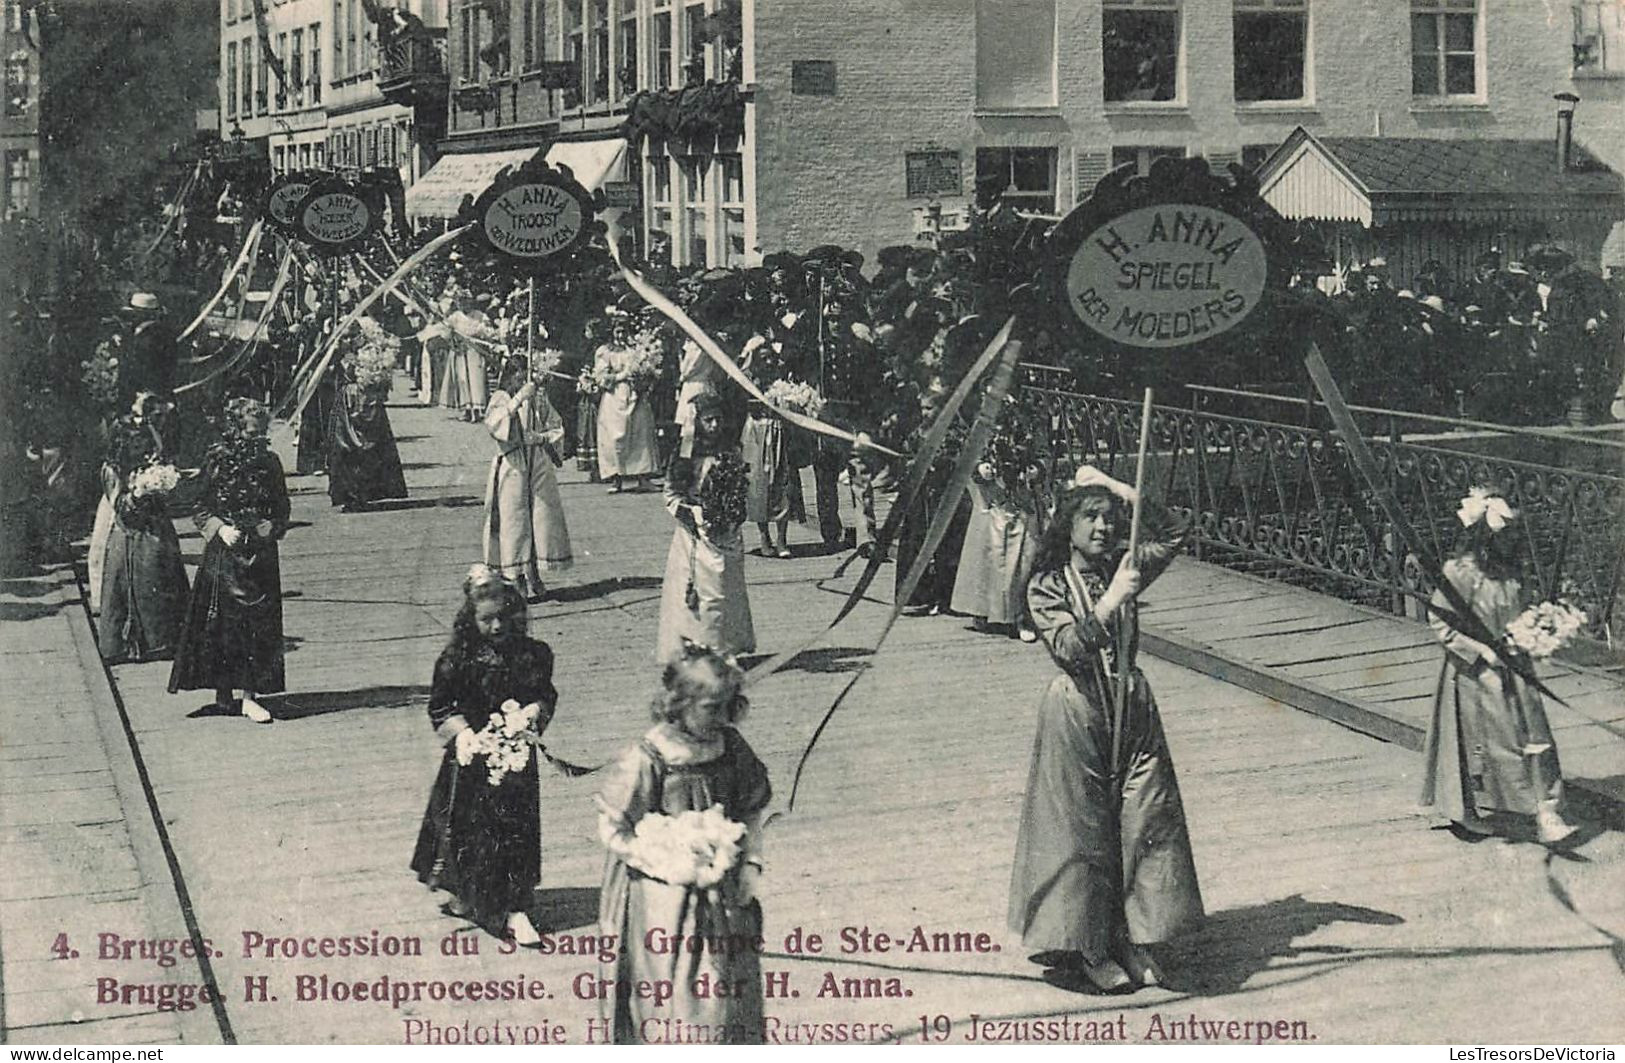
(1482, 505)
(693, 650)
(482, 575)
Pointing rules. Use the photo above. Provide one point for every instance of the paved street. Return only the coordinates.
(1333, 903)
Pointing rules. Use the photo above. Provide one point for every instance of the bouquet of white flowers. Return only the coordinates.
(688, 849)
(646, 358)
(506, 740)
(794, 395)
(372, 362)
(1543, 629)
(154, 480)
(547, 360)
(101, 373)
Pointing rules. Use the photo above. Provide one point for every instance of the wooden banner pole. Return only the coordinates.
(1125, 675)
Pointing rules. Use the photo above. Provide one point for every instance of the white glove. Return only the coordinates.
(466, 741)
(749, 877)
(230, 534)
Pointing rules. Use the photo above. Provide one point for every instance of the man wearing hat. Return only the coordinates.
(150, 357)
(1582, 326)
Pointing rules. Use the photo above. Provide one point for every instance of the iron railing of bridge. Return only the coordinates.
(1284, 500)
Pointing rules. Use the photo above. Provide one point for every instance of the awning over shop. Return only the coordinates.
(1381, 180)
(594, 162)
(438, 193)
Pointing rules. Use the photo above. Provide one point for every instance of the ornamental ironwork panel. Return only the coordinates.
(1285, 501)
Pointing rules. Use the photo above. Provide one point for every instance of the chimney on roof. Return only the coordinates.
(1565, 129)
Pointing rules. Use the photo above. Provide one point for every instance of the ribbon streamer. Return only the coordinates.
(284, 272)
(907, 495)
(1460, 615)
(250, 246)
(975, 445)
(174, 209)
(659, 301)
(308, 391)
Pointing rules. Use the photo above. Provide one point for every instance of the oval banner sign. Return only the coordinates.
(332, 218)
(1166, 276)
(284, 201)
(532, 220)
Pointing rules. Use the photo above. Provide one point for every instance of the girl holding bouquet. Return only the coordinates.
(525, 532)
(704, 598)
(680, 815)
(772, 452)
(462, 382)
(480, 839)
(626, 421)
(364, 463)
(1489, 755)
(1103, 857)
(143, 581)
(231, 637)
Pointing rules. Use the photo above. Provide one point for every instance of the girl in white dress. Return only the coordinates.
(525, 530)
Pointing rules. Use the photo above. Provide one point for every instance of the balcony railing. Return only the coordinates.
(1285, 501)
(412, 70)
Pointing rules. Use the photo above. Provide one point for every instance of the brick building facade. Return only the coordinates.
(336, 104)
(1042, 97)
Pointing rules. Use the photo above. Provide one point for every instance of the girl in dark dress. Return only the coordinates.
(231, 637)
(481, 841)
(144, 580)
(312, 444)
(363, 462)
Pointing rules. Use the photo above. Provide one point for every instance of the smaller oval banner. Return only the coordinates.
(335, 217)
(284, 203)
(533, 220)
(1167, 276)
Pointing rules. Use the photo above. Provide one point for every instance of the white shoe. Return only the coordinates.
(520, 928)
(1550, 825)
(255, 711)
(1107, 976)
(1141, 967)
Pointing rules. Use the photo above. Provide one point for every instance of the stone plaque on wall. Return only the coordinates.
(933, 173)
(812, 77)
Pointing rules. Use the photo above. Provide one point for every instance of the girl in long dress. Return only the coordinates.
(1489, 757)
(703, 598)
(1001, 541)
(1103, 858)
(481, 840)
(231, 638)
(463, 382)
(364, 462)
(691, 760)
(102, 528)
(775, 495)
(525, 531)
(144, 580)
(626, 419)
